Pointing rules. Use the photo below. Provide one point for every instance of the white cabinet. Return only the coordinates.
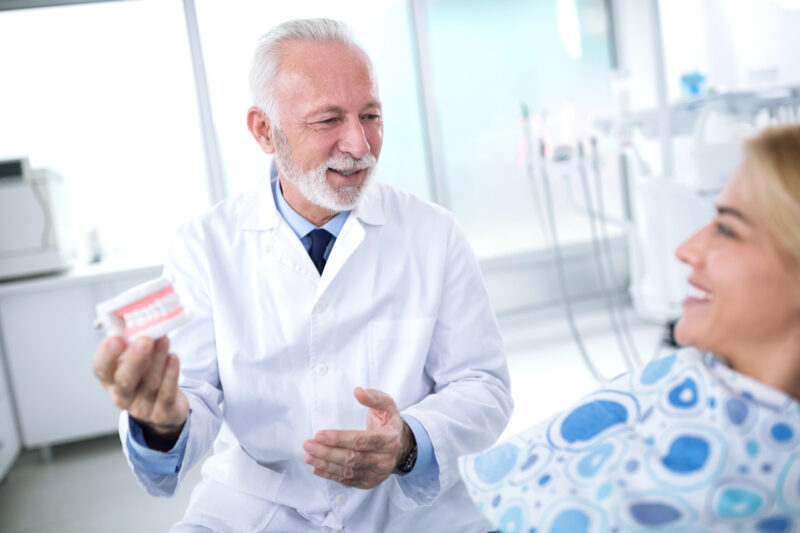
(9, 436)
(49, 343)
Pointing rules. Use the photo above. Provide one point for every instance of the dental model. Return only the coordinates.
(150, 309)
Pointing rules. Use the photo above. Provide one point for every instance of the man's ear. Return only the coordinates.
(261, 129)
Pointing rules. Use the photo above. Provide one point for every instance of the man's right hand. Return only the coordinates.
(142, 378)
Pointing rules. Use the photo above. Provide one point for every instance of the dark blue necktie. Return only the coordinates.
(319, 242)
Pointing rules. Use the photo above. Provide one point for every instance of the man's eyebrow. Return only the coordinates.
(325, 109)
(728, 210)
(339, 110)
(376, 105)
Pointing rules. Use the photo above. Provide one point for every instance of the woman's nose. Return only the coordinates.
(692, 249)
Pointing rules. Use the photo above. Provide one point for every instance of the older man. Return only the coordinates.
(306, 289)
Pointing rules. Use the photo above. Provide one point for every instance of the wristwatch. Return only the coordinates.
(407, 463)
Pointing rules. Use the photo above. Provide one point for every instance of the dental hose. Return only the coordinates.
(559, 264)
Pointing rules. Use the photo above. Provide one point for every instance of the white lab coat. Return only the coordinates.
(275, 352)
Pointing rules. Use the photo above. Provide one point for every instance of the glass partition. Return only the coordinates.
(487, 61)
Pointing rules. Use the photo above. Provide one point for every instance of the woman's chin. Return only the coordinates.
(684, 333)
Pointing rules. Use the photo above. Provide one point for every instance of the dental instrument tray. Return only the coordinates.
(151, 310)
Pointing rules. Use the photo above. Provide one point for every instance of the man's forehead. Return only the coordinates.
(314, 57)
(317, 77)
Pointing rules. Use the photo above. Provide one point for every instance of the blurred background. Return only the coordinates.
(577, 142)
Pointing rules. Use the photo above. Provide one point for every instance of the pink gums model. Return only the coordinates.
(150, 310)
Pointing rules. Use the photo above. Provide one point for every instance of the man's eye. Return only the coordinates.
(372, 117)
(724, 230)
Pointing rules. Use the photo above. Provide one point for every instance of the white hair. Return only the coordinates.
(266, 59)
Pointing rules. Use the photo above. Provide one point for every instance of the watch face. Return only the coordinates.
(409, 461)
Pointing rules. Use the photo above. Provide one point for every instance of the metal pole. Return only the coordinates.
(434, 153)
(215, 176)
(665, 130)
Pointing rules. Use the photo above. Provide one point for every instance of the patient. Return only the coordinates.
(706, 439)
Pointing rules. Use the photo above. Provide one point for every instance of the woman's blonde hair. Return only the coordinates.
(774, 160)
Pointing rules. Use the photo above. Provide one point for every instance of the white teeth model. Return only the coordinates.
(700, 294)
(162, 313)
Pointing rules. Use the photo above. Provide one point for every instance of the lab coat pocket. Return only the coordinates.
(398, 350)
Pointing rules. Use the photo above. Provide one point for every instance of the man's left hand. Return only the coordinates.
(362, 459)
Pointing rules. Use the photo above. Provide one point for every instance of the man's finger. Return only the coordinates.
(360, 441)
(133, 365)
(346, 457)
(155, 373)
(336, 469)
(106, 357)
(169, 381)
(359, 478)
(373, 398)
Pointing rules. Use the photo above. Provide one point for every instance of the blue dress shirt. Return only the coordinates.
(170, 462)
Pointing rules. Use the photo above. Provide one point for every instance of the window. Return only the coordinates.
(489, 58)
(229, 32)
(103, 94)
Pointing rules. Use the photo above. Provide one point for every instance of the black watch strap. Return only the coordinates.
(408, 462)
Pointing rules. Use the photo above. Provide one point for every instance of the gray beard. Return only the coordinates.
(313, 184)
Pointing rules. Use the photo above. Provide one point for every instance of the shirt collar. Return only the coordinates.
(300, 225)
(258, 210)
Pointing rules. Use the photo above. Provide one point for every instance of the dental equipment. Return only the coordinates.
(527, 145)
(559, 264)
(602, 255)
(607, 244)
(147, 310)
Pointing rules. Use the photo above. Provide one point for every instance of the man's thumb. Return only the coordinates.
(373, 398)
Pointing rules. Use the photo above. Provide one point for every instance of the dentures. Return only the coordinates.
(150, 310)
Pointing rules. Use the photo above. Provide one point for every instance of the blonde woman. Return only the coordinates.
(708, 438)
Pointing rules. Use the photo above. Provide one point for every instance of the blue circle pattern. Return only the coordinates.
(655, 514)
(513, 520)
(686, 454)
(782, 432)
(775, 524)
(599, 416)
(663, 470)
(684, 395)
(594, 460)
(658, 369)
(570, 521)
(736, 499)
(591, 419)
(736, 410)
(494, 465)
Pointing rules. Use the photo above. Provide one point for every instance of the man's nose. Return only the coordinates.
(354, 139)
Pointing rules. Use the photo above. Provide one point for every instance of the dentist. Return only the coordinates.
(344, 352)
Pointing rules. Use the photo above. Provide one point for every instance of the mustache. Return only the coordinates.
(351, 163)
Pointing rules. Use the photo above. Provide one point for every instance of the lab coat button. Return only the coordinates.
(320, 307)
(340, 499)
(321, 369)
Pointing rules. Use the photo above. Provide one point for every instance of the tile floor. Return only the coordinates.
(87, 487)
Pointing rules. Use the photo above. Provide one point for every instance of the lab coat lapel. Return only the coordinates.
(369, 212)
(258, 213)
(289, 251)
